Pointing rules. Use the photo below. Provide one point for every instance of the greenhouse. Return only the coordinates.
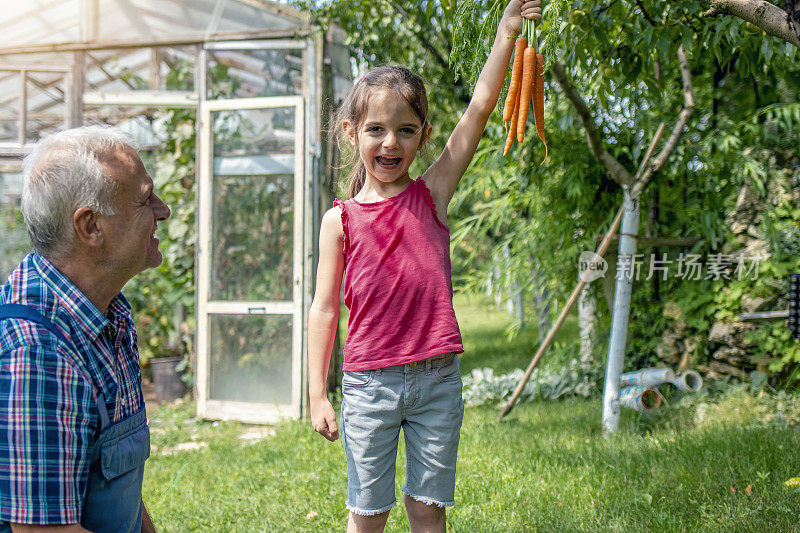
(247, 86)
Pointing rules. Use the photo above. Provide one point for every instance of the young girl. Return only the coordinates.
(391, 245)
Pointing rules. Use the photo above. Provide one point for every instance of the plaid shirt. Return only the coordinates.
(48, 415)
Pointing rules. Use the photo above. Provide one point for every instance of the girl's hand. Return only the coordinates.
(323, 419)
(511, 22)
(444, 174)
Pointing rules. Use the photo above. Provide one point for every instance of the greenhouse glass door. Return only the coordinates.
(250, 259)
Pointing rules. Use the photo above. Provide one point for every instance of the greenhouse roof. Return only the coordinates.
(63, 25)
(65, 63)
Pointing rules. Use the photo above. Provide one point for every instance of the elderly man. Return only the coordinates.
(73, 430)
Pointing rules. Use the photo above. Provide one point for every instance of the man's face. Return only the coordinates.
(131, 246)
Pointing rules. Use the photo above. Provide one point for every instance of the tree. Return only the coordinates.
(767, 16)
(621, 57)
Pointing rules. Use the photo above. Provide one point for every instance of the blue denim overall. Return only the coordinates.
(113, 501)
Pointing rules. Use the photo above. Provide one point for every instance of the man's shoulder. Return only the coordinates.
(22, 339)
(26, 286)
(31, 351)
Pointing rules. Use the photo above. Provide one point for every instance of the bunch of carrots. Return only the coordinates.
(527, 85)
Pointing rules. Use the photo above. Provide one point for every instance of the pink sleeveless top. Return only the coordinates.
(397, 281)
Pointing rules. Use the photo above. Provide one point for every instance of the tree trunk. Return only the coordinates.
(519, 304)
(497, 289)
(651, 230)
(541, 297)
(514, 300)
(541, 301)
(332, 381)
(587, 319)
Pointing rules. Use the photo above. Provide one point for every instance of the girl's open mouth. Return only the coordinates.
(388, 161)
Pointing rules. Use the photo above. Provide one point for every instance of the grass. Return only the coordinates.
(543, 468)
(483, 330)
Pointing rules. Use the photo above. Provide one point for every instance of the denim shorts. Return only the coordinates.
(422, 398)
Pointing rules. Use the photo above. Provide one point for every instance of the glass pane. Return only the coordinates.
(145, 20)
(238, 16)
(46, 106)
(252, 238)
(252, 227)
(253, 132)
(145, 124)
(251, 358)
(9, 107)
(252, 73)
(120, 70)
(14, 243)
(163, 68)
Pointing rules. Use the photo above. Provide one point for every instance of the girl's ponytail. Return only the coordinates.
(356, 179)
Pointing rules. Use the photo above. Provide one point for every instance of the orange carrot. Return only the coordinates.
(538, 99)
(512, 129)
(516, 72)
(528, 70)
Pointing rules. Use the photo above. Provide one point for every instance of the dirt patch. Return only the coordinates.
(256, 434)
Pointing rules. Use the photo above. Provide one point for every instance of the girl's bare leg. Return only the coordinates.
(424, 518)
(367, 524)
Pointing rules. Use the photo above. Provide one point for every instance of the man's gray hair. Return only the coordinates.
(62, 173)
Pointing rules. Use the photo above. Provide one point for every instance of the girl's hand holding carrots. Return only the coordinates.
(526, 85)
(515, 11)
(446, 172)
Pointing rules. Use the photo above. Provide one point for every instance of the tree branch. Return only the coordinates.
(609, 6)
(646, 14)
(426, 44)
(677, 131)
(593, 135)
(765, 15)
(617, 172)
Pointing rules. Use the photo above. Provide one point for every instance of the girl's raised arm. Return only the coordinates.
(445, 173)
(322, 319)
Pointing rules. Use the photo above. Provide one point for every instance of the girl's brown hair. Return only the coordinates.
(353, 110)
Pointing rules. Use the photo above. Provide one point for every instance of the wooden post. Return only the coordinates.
(559, 321)
(75, 83)
(601, 250)
(202, 155)
(22, 133)
(88, 23)
(154, 69)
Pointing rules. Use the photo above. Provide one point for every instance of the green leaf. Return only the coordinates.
(767, 48)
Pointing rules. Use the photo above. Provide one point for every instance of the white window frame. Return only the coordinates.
(258, 413)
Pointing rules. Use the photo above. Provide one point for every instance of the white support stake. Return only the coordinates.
(622, 307)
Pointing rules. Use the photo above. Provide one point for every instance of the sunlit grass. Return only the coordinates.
(486, 330)
(545, 467)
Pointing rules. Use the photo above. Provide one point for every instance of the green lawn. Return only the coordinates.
(543, 468)
(483, 330)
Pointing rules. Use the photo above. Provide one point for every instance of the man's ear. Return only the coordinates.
(350, 131)
(426, 134)
(87, 230)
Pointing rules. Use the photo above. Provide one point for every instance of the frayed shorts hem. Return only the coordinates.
(368, 512)
(429, 501)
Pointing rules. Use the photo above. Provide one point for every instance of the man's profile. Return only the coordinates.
(73, 430)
